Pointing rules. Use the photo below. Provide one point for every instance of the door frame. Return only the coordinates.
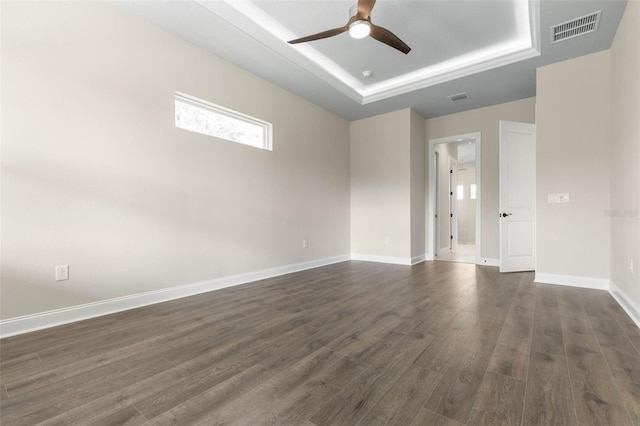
(432, 192)
(453, 208)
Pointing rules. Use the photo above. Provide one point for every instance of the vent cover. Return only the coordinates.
(458, 96)
(576, 27)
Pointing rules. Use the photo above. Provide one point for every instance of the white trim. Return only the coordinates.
(489, 261)
(429, 256)
(33, 322)
(381, 259)
(572, 281)
(626, 303)
(418, 259)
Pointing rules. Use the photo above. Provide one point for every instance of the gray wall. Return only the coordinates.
(95, 174)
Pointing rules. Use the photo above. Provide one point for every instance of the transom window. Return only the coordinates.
(197, 115)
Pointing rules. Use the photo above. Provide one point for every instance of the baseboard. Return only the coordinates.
(39, 321)
(630, 307)
(381, 259)
(572, 281)
(418, 259)
(429, 256)
(488, 261)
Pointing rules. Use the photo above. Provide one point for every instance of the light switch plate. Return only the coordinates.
(558, 198)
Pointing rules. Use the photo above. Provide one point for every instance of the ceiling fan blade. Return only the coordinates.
(324, 34)
(387, 37)
(364, 8)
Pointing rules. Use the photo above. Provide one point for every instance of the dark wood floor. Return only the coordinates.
(352, 343)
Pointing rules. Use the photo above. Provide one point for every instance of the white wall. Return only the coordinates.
(625, 156)
(573, 152)
(381, 185)
(388, 187)
(418, 190)
(95, 175)
(484, 120)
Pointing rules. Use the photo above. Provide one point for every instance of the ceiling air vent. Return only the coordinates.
(458, 96)
(576, 27)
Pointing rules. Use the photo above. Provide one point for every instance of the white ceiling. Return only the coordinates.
(489, 49)
(467, 151)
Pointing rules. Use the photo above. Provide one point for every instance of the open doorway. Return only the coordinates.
(454, 198)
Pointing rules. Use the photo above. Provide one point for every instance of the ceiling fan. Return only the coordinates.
(360, 26)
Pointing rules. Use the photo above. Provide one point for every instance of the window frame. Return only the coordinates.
(473, 191)
(267, 127)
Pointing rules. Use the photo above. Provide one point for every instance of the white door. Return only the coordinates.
(517, 196)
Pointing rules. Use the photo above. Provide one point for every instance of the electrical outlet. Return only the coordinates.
(62, 272)
(305, 243)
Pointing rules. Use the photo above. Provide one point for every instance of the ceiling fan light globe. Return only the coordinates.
(359, 29)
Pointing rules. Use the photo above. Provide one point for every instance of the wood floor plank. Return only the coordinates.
(548, 398)
(428, 417)
(353, 403)
(365, 353)
(547, 328)
(630, 393)
(446, 345)
(288, 397)
(569, 302)
(621, 356)
(618, 349)
(456, 392)
(509, 362)
(26, 409)
(404, 400)
(516, 333)
(595, 396)
(191, 385)
(576, 325)
(630, 328)
(126, 416)
(499, 402)
(197, 410)
(411, 346)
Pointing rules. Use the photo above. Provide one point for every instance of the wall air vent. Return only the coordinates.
(575, 27)
(458, 96)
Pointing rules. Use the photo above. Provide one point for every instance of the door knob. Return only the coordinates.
(504, 214)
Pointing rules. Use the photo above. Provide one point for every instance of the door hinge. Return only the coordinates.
(452, 237)
(451, 214)
(451, 171)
